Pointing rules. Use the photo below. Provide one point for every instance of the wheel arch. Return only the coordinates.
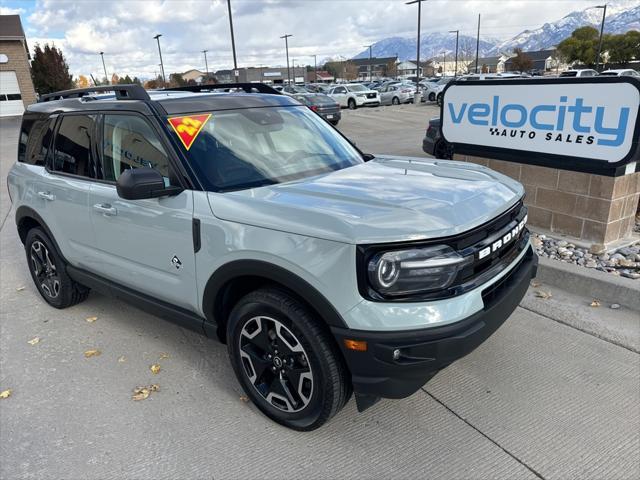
(235, 279)
(26, 219)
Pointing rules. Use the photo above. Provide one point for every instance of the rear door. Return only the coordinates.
(63, 191)
(340, 95)
(146, 245)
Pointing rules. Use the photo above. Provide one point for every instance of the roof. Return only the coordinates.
(489, 60)
(536, 56)
(11, 27)
(173, 102)
(373, 61)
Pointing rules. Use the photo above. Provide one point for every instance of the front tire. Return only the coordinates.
(49, 273)
(352, 104)
(439, 99)
(395, 101)
(432, 97)
(287, 364)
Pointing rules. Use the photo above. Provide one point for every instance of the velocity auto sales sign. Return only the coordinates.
(584, 124)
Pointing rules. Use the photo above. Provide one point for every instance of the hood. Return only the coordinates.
(389, 199)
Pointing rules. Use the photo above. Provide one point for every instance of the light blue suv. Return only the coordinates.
(239, 213)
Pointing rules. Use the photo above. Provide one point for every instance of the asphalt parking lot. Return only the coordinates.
(539, 399)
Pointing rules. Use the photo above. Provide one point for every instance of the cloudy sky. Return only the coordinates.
(124, 29)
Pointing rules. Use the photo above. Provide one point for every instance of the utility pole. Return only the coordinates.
(370, 66)
(206, 65)
(286, 46)
(604, 14)
(457, 32)
(478, 43)
(233, 42)
(444, 62)
(164, 79)
(105, 68)
(419, 2)
(315, 68)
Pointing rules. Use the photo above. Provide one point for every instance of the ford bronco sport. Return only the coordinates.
(243, 215)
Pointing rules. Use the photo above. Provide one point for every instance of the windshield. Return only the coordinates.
(610, 74)
(245, 148)
(568, 74)
(444, 81)
(356, 88)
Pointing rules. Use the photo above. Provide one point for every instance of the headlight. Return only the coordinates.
(403, 272)
(361, 94)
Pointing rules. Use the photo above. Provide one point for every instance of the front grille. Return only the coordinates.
(371, 95)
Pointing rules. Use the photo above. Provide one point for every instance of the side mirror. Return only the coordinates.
(140, 183)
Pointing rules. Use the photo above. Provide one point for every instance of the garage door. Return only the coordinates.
(10, 97)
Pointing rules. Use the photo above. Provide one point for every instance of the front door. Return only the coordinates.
(146, 245)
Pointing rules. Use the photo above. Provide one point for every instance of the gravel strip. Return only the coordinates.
(624, 262)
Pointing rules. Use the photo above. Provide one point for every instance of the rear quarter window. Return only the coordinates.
(35, 140)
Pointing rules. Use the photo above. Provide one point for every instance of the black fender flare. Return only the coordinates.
(270, 272)
(23, 212)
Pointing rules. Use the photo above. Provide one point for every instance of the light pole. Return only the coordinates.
(164, 79)
(419, 2)
(604, 14)
(233, 42)
(478, 43)
(457, 32)
(370, 72)
(206, 65)
(105, 68)
(315, 68)
(293, 67)
(444, 62)
(286, 46)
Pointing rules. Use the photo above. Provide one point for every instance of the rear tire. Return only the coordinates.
(395, 101)
(49, 272)
(335, 122)
(439, 99)
(432, 97)
(288, 365)
(352, 104)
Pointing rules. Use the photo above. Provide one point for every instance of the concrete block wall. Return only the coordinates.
(591, 208)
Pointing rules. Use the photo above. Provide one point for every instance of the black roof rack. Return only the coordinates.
(247, 87)
(123, 92)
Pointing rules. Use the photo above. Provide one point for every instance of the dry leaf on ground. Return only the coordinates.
(122, 359)
(163, 356)
(92, 353)
(244, 398)
(595, 303)
(155, 368)
(20, 288)
(34, 341)
(141, 393)
(542, 294)
(91, 319)
(535, 284)
(5, 393)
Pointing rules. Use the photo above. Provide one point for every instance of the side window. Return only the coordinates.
(130, 142)
(72, 152)
(340, 90)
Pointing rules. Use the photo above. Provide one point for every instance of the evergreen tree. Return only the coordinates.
(49, 70)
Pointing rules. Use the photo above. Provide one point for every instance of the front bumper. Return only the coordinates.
(422, 353)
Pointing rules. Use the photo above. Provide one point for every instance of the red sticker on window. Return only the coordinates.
(188, 128)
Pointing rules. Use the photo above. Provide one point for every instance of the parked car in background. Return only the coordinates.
(322, 104)
(583, 72)
(317, 87)
(354, 95)
(433, 144)
(620, 72)
(432, 89)
(396, 93)
(294, 89)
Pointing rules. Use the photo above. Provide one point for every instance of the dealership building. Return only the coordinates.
(16, 86)
(268, 75)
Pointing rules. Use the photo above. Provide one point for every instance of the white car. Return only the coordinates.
(354, 95)
(581, 72)
(431, 90)
(621, 72)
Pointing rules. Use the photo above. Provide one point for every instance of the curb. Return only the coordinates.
(589, 282)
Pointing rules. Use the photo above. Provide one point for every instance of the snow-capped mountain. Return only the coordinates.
(622, 15)
(431, 45)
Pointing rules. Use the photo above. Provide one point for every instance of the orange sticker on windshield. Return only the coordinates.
(188, 128)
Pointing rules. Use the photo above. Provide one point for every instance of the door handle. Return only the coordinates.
(47, 196)
(106, 209)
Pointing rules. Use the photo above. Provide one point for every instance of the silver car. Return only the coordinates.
(396, 93)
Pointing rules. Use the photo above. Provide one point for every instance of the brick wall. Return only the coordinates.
(19, 63)
(591, 208)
